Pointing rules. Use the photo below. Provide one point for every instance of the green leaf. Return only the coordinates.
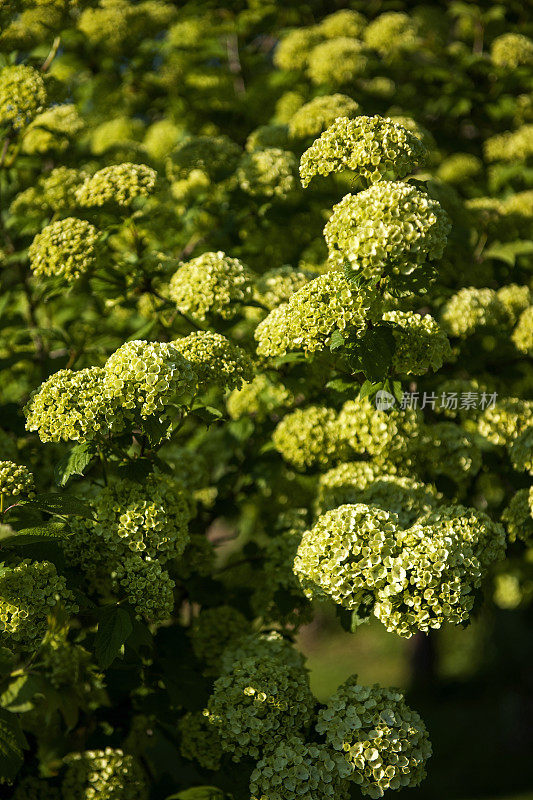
(43, 533)
(336, 341)
(375, 351)
(19, 694)
(12, 745)
(157, 429)
(341, 385)
(113, 629)
(57, 504)
(74, 463)
(199, 793)
(207, 414)
(369, 388)
(351, 620)
(509, 251)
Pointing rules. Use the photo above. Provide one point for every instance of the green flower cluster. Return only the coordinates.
(52, 192)
(420, 344)
(258, 703)
(521, 451)
(119, 184)
(116, 131)
(266, 136)
(391, 33)
(459, 167)
(259, 399)
(216, 360)
(292, 53)
(275, 286)
(515, 299)
(372, 147)
(522, 335)
(161, 138)
(262, 646)
(342, 483)
(503, 422)
(388, 229)
(518, 517)
(216, 156)
(68, 664)
(15, 480)
(118, 24)
(511, 50)
(199, 741)
(22, 95)
(296, 770)
(342, 23)
(439, 566)
(212, 283)
(147, 586)
(268, 173)
(337, 62)
(321, 112)
(143, 376)
(106, 774)
(65, 249)
(52, 130)
(307, 320)
(471, 310)
(29, 593)
(384, 742)
(447, 449)
(309, 437)
(212, 631)
(510, 146)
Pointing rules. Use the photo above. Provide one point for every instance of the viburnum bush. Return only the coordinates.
(267, 327)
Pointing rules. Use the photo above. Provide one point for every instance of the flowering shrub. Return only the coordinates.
(267, 329)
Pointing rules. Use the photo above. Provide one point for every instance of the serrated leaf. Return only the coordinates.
(336, 341)
(113, 629)
(369, 388)
(57, 504)
(207, 414)
(54, 531)
(74, 463)
(12, 745)
(157, 429)
(375, 352)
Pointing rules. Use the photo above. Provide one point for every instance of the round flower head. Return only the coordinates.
(441, 564)
(212, 283)
(119, 184)
(106, 774)
(521, 451)
(384, 742)
(259, 399)
(29, 593)
(15, 480)
(52, 130)
(258, 703)
(292, 53)
(342, 484)
(515, 299)
(146, 585)
(321, 112)
(66, 249)
(391, 32)
(342, 23)
(216, 360)
(160, 139)
(216, 156)
(447, 449)
(522, 335)
(199, 741)
(296, 770)
(504, 421)
(470, 310)
(269, 646)
(278, 284)
(518, 517)
(459, 168)
(337, 62)
(420, 344)
(390, 228)
(144, 376)
(116, 131)
(372, 147)
(73, 405)
(308, 437)
(268, 173)
(512, 50)
(510, 146)
(347, 556)
(212, 631)
(266, 136)
(52, 192)
(311, 314)
(22, 95)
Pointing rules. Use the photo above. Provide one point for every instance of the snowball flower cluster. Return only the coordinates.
(384, 742)
(15, 480)
(120, 184)
(52, 192)
(522, 335)
(29, 593)
(108, 774)
(212, 631)
(307, 320)
(319, 113)
(388, 229)
(275, 286)
(259, 399)
(308, 437)
(199, 741)
(504, 421)
(372, 147)
(511, 50)
(521, 451)
(22, 95)
(510, 146)
(53, 129)
(337, 62)
(212, 283)
(268, 173)
(66, 249)
(392, 32)
(216, 360)
(472, 309)
(420, 343)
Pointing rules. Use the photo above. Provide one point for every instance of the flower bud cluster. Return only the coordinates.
(321, 112)
(268, 173)
(522, 335)
(212, 631)
(66, 249)
(53, 129)
(518, 517)
(503, 422)
(15, 480)
(309, 438)
(119, 184)
(521, 451)
(510, 146)
(420, 343)
(511, 50)
(278, 284)
(337, 62)
(216, 360)
(22, 95)
(391, 33)
(108, 774)
(471, 310)
(199, 741)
